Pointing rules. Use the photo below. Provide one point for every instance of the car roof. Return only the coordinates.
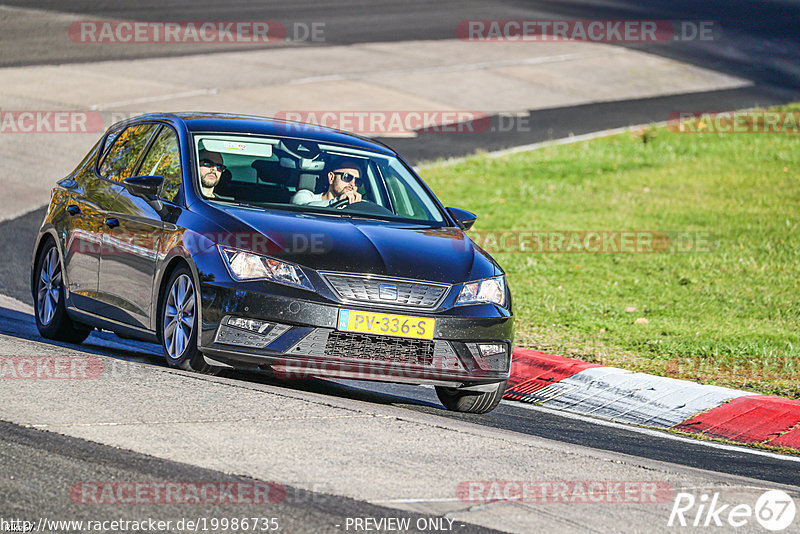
(253, 125)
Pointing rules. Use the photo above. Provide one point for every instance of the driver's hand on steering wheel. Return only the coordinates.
(351, 196)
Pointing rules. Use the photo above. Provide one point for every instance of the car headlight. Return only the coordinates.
(248, 266)
(491, 290)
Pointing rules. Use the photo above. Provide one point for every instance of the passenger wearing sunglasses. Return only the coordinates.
(344, 179)
(211, 169)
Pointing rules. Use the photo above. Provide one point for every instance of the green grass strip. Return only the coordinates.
(718, 301)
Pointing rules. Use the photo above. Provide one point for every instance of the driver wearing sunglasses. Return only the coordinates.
(344, 179)
(211, 169)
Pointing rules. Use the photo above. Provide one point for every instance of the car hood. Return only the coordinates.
(357, 245)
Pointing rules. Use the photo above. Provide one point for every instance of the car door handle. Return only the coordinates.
(111, 222)
(73, 210)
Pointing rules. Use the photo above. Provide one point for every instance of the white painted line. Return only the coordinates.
(40, 12)
(652, 432)
(10, 303)
(542, 144)
(573, 139)
(199, 421)
(158, 98)
(502, 500)
(454, 68)
(413, 501)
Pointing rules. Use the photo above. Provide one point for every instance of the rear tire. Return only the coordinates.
(459, 400)
(48, 290)
(178, 324)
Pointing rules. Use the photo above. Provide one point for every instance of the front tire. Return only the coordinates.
(48, 289)
(459, 400)
(178, 324)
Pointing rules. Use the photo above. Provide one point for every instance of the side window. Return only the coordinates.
(120, 159)
(164, 159)
(405, 202)
(109, 142)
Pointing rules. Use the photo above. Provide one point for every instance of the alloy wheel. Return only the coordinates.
(179, 316)
(49, 289)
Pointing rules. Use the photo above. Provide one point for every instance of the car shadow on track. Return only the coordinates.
(21, 325)
(373, 392)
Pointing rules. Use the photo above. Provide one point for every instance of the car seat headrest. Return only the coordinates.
(307, 181)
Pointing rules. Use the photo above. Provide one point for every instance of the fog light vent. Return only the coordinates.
(490, 356)
(492, 349)
(254, 325)
(247, 332)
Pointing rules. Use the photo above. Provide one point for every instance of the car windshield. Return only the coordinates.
(303, 175)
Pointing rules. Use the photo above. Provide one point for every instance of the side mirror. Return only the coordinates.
(147, 187)
(464, 218)
(144, 186)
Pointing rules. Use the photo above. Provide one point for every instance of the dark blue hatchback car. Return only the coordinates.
(253, 243)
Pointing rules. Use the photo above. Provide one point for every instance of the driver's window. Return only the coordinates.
(164, 159)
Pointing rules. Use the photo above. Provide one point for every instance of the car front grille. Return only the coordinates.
(379, 348)
(386, 291)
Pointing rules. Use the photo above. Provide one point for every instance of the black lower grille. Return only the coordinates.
(379, 348)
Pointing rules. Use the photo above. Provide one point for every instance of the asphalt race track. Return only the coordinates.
(761, 43)
(37, 468)
(510, 415)
(42, 460)
(751, 28)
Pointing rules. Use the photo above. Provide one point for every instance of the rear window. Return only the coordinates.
(119, 160)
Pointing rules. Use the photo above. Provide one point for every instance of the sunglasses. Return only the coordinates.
(346, 177)
(211, 165)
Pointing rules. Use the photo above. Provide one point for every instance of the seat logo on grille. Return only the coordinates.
(387, 292)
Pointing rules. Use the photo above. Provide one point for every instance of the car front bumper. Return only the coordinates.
(302, 339)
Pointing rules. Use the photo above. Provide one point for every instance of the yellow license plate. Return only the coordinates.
(385, 324)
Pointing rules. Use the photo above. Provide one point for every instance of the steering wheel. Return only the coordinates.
(365, 207)
(340, 204)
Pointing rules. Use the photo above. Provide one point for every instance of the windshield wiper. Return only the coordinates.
(367, 217)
